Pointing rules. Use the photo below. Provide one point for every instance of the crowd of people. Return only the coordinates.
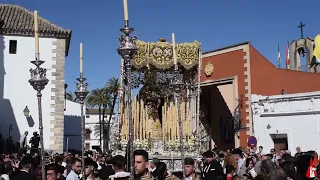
(235, 164)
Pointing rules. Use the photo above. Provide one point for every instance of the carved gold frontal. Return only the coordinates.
(209, 69)
(160, 54)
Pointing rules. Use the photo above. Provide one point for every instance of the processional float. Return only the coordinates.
(154, 109)
(163, 118)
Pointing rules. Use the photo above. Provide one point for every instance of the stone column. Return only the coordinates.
(57, 123)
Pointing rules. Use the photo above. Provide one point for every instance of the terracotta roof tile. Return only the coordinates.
(18, 20)
(96, 111)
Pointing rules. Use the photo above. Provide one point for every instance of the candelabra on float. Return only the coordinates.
(127, 51)
(38, 81)
(177, 85)
(81, 93)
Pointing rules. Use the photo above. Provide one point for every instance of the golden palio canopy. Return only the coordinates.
(160, 54)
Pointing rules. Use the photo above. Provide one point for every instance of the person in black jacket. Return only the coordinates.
(26, 168)
(106, 168)
(212, 168)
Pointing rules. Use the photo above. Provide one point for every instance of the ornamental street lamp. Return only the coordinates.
(81, 93)
(38, 81)
(127, 51)
(177, 85)
(26, 112)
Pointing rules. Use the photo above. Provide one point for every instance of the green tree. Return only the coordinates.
(72, 97)
(99, 98)
(113, 87)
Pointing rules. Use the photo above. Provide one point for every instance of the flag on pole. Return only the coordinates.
(316, 49)
(279, 57)
(288, 57)
(312, 171)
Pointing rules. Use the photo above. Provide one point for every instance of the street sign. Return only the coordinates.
(252, 141)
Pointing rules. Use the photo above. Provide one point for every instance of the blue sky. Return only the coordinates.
(215, 23)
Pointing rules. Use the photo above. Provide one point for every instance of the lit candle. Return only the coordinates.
(81, 58)
(125, 9)
(36, 31)
(174, 53)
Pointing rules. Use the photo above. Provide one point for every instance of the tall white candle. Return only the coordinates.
(174, 49)
(81, 58)
(36, 31)
(125, 10)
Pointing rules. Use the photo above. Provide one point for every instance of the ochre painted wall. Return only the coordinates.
(225, 66)
(267, 79)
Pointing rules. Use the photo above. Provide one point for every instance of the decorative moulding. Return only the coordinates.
(208, 69)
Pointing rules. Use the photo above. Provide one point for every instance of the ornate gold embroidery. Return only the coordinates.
(160, 54)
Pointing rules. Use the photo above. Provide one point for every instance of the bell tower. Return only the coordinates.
(300, 49)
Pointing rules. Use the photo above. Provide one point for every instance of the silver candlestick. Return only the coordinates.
(81, 93)
(177, 86)
(38, 81)
(127, 51)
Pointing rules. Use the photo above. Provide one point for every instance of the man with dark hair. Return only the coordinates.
(105, 169)
(53, 171)
(260, 151)
(76, 170)
(118, 163)
(212, 169)
(141, 158)
(90, 166)
(26, 168)
(189, 169)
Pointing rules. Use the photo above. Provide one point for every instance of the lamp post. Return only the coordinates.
(81, 93)
(38, 81)
(127, 51)
(177, 84)
(26, 112)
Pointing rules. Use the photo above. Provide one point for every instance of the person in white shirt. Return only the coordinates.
(260, 150)
(118, 164)
(23, 140)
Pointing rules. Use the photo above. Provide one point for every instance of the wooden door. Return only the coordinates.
(280, 143)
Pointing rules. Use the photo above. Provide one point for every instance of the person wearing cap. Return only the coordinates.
(189, 170)
(212, 169)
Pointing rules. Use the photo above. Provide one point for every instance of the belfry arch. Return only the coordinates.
(302, 47)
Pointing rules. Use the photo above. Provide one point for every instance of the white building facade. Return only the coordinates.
(17, 49)
(93, 128)
(287, 121)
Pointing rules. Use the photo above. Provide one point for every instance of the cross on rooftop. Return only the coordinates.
(301, 28)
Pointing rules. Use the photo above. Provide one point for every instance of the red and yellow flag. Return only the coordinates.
(287, 57)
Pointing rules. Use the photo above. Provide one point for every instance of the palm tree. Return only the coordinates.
(113, 88)
(99, 98)
(71, 97)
